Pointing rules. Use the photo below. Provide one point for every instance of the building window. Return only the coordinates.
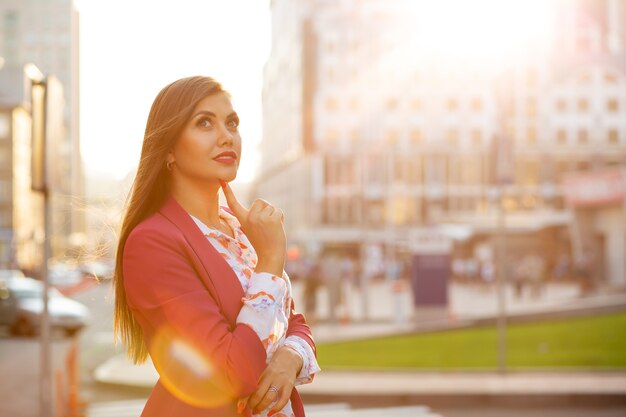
(531, 135)
(376, 169)
(584, 78)
(532, 78)
(5, 126)
(613, 136)
(583, 136)
(354, 104)
(561, 105)
(531, 107)
(582, 166)
(453, 136)
(354, 135)
(331, 104)
(476, 105)
(391, 136)
(5, 219)
(452, 104)
(610, 78)
(392, 104)
(528, 172)
(5, 190)
(612, 105)
(330, 75)
(416, 104)
(477, 136)
(416, 136)
(332, 135)
(583, 105)
(408, 170)
(561, 136)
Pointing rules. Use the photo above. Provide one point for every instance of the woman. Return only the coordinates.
(209, 303)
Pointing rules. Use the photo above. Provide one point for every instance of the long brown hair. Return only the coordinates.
(170, 111)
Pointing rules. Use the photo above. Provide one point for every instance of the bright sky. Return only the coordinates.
(130, 49)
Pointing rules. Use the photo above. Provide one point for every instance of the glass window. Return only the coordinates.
(612, 105)
(354, 135)
(391, 136)
(613, 136)
(561, 105)
(477, 104)
(583, 104)
(610, 77)
(332, 135)
(331, 104)
(531, 107)
(583, 136)
(5, 189)
(531, 135)
(477, 136)
(452, 104)
(416, 104)
(453, 136)
(5, 126)
(392, 104)
(561, 136)
(416, 135)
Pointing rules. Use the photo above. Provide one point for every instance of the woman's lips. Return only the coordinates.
(226, 157)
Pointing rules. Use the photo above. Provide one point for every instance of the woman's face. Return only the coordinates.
(209, 147)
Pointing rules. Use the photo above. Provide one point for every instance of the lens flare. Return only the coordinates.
(187, 372)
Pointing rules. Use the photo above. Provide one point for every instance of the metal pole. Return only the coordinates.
(500, 281)
(39, 179)
(46, 362)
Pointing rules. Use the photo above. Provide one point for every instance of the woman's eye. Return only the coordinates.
(233, 124)
(204, 122)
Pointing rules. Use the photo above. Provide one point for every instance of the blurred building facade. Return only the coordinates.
(366, 139)
(21, 209)
(45, 33)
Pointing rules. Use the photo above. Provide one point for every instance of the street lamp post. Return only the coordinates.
(39, 183)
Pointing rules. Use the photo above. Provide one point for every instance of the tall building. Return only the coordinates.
(45, 33)
(370, 138)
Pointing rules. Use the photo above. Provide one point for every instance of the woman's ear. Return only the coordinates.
(169, 161)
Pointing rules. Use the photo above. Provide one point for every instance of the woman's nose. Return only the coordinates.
(226, 136)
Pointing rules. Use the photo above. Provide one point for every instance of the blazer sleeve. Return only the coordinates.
(172, 304)
(299, 327)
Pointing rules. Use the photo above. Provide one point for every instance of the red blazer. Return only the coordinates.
(180, 288)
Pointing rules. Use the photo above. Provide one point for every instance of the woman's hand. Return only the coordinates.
(277, 381)
(263, 225)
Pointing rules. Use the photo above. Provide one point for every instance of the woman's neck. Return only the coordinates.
(201, 202)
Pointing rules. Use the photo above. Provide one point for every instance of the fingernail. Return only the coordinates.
(271, 413)
(223, 183)
(240, 406)
(255, 411)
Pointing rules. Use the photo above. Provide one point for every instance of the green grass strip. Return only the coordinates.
(589, 342)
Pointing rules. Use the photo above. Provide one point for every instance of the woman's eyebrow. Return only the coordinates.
(211, 114)
(204, 113)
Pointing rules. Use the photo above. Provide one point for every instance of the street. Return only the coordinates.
(19, 361)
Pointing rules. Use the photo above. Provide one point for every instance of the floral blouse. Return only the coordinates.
(267, 300)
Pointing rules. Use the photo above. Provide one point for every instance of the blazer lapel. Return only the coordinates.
(216, 269)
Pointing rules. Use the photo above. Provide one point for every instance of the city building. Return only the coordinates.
(45, 33)
(370, 138)
(21, 209)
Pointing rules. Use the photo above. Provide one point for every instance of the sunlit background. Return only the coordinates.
(440, 163)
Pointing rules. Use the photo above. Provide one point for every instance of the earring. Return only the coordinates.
(169, 165)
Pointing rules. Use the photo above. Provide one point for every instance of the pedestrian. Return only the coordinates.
(311, 283)
(198, 287)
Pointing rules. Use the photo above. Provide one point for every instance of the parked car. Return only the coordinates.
(11, 273)
(21, 307)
